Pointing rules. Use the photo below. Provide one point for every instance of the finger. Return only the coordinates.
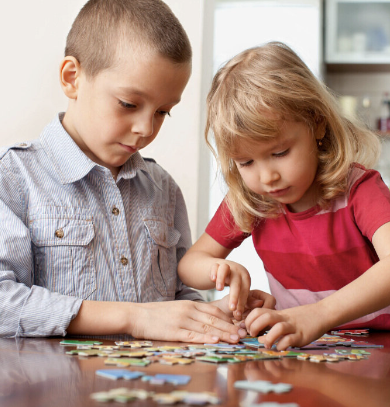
(205, 322)
(243, 294)
(286, 341)
(213, 310)
(277, 334)
(235, 288)
(269, 302)
(259, 319)
(214, 328)
(223, 273)
(213, 272)
(186, 335)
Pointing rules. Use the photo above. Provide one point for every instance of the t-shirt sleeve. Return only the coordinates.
(224, 230)
(370, 203)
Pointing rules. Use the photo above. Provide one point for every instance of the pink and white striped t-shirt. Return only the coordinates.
(309, 255)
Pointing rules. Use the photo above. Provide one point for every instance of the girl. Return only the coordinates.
(298, 182)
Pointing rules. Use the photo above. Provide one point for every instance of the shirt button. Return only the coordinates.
(115, 211)
(124, 261)
(59, 233)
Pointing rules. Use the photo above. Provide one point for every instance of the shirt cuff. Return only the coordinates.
(47, 313)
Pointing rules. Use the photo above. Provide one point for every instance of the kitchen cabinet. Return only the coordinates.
(357, 32)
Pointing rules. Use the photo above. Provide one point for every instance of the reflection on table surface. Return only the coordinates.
(38, 372)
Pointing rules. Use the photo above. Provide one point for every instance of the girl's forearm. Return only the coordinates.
(366, 294)
(194, 270)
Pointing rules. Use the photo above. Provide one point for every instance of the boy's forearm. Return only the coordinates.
(103, 318)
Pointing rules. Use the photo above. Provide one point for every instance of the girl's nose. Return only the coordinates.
(269, 175)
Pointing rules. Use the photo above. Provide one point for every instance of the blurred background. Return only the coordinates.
(346, 43)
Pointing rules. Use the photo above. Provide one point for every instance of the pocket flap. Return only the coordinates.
(162, 234)
(61, 232)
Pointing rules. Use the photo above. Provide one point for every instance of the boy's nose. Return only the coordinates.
(144, 126)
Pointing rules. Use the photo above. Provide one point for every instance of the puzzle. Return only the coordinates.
(126, 362)
(116, 374)
(123, 395)
(71, 342)
(134, 344)
(262, 386)
(350, 332)
(274, 404)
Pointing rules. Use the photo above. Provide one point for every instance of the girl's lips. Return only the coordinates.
(279, 192)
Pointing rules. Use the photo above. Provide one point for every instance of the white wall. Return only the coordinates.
(32, 41)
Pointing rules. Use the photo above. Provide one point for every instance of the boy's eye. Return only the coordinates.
(245, 164)
(281, 153)
(163, 113)
(126, 105)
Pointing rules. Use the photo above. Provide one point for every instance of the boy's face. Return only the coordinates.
(121, 110)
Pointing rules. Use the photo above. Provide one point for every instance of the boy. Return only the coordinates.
(91, 232)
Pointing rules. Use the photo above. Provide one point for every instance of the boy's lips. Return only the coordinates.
(130, 149)
(279, 192)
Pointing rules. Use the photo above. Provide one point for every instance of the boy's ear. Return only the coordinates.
(70, 71)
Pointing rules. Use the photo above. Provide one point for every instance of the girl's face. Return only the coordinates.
(283, 168)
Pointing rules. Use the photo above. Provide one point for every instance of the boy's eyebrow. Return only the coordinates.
(127, 89)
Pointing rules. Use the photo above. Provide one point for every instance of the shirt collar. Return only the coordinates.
(64, 153)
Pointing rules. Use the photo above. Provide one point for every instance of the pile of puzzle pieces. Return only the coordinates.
(141, 354)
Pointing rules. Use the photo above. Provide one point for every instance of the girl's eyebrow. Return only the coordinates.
(271, 145)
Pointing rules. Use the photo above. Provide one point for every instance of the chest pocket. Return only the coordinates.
(162, 241)
(63, 254)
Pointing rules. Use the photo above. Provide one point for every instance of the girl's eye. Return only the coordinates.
(126, 105)
(282, 153)
(245, 164)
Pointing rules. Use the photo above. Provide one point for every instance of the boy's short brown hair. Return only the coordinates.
(102, 25)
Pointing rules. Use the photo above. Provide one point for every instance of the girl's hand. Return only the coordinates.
(229, 273)
(256, 299)
(296, 326)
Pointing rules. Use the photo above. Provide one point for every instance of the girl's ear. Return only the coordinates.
(320, 130)
(70, 71)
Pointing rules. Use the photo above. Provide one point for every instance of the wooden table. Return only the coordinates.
(38, 373)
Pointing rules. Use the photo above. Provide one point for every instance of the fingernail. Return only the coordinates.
(215, 338)
(242, 333)
(242, 325)
(232, 306)
(234, 337)
(219, 286)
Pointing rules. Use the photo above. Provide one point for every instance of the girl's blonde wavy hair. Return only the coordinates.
(250, 97)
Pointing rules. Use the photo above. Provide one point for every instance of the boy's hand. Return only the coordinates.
(185, 321)
(296, 326)
(256, 299)
(229, 273)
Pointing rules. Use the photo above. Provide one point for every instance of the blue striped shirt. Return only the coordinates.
(69, 232)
